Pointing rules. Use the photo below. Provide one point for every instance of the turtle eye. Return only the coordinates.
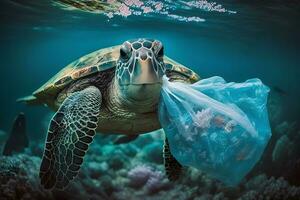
(160, 53)
(124, 53)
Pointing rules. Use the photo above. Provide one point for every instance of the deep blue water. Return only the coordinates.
(260, 40)
(234, 39)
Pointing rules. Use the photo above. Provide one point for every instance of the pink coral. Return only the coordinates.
(110, 15)
(147, 9)
(158, 6)
(143, 175)
(205, 5)
(124, 10)
(136, 3)
(111, 1)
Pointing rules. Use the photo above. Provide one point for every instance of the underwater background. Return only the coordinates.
(236, 40)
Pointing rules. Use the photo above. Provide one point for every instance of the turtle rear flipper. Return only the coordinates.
(70, 132)
(172, 166)
(29, 100)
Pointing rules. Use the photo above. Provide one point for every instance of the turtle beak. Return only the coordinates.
(146, 72)
(146, 80)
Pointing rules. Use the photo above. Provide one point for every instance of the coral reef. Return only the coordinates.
(144, 176)
(277, 189)
(135, 170)
(124, 172)
(19, 178)
(282, 156)
(112, 8)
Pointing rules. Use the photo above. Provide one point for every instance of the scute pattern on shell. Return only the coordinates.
(97, 61)
(182, 70)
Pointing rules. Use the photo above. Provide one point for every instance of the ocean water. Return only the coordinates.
(236, 40)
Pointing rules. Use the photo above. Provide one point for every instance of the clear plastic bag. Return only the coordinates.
(220, 128)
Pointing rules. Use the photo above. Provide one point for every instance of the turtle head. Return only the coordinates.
(140, 69)
(140, 62)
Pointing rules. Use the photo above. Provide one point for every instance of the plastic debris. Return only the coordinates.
(220, 128)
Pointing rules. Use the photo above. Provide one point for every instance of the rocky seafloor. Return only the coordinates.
(135, 170)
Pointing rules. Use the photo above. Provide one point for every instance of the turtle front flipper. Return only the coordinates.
(172, 166)
(70, 132)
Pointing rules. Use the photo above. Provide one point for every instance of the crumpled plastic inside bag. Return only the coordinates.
(220, 128)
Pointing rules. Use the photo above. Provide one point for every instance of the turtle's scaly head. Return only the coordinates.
(140, 62)
(140, 69)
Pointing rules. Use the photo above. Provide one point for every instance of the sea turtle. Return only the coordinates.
(112, 90)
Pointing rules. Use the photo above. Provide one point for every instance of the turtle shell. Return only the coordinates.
(94, 62)
(98, 61)
(89, 6)
(174, 69)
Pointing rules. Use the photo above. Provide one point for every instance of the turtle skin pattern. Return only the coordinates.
(70, 132)
(172, 167)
